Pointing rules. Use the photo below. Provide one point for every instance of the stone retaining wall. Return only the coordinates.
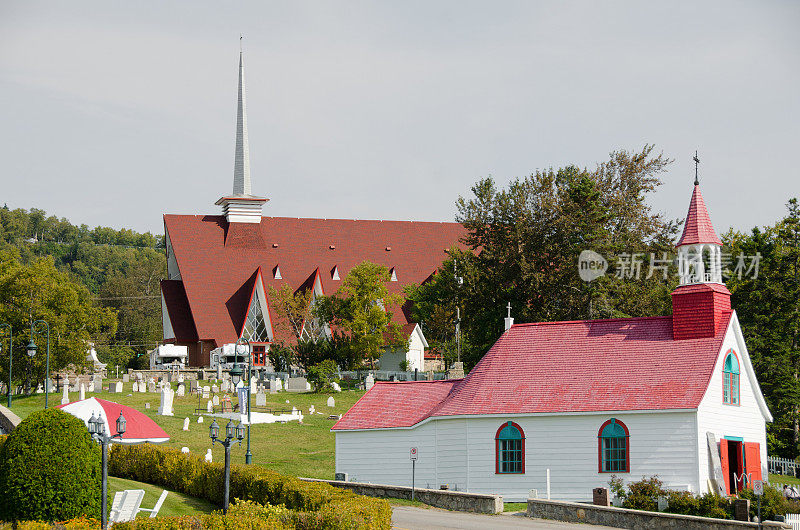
(450, 500)
(8, 420)
(624, 518)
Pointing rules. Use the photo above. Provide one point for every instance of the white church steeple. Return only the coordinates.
(242, 206)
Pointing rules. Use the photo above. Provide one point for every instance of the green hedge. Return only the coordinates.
(315, 505)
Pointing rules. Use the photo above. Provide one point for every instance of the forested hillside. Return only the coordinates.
(120, 271)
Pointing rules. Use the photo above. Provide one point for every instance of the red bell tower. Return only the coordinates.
(701, 303)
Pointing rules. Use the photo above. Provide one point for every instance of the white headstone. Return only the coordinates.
(261, 399)
(167, 397)
(147, 406)
(181, 390)
(180, 378)
(185, 450)
(208, 456)
(117, 387)
(142, 387)
(151, 386)
(331, 402)
(98, 383)
(369, 382)
(126, 378)
(308, 386)
(40, 389)
(81, 393)
(214, 389)
(65, 395)
(199, 419)
(210, 406)
(219, 371)
(91, 386)
(253, 382)
(278, 385)
(336, 387)
(135, 387)
(186, 424)
(225, 386)
(206, 392)
(294, 411)
(215, 400)
(311, 409)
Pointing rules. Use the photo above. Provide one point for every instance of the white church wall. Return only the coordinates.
(744, 420)
(460, 452)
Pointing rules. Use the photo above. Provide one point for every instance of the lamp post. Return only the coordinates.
(10, 357)
(98, 431)
(232, 434)
(243, 346)
(32, 352)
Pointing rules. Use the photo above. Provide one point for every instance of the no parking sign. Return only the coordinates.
(414, 453)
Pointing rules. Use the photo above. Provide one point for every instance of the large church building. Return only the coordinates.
(560, 407)
(221, 267)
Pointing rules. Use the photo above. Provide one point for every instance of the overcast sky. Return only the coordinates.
(115, 113)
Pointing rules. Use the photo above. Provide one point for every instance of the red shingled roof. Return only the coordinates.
(397, 404)
(580, 366)
(215, 273)
(698, 227)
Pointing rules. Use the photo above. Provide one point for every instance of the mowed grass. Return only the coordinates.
(305, 450)
(174, 504)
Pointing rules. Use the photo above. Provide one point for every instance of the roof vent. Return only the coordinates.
(274, 245)
(335, 273)
(332, 247)
(388, 249)
(276, 273)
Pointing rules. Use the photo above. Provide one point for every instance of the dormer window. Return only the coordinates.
(393, 273)
(335, 272)
(730, 379)
(276, 273)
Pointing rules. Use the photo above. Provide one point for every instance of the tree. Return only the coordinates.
(293, 309)
(361, 310)
(768, 305)
(523, 247)
(40, 292)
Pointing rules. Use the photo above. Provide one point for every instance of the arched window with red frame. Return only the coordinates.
(613, 447)
(510, 449)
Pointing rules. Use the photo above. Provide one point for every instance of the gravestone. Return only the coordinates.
(126, 378)
(209, 406)
(369, 382)
(741, 509)
(214, 389)
(147, 406)
(167, 397)
(308, 386)
(206, 392)
(90, 387)
(278, 385)
(219, 371)
(186, 424)
(135, 387)
(76, 386)
(600, 497)
(142, 387)
(261, 399)
(336, 387)
(180, 378)
(81, 393)
(151, 386)
(331, 402)
(663, 503)
(215, 400)
(98, 382)
(193, 386)
(65, 395)
(115, 387)
(51, 387)
(253, 381)
(294, 411)
(208, 456)
(297, 384)
(40, 389)
(199, 419)
(185, 450)
(225, 386)
(181, 390)
(311, 409)
(273, 388)
(226, 404)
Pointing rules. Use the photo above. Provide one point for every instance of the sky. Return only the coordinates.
(114, 113)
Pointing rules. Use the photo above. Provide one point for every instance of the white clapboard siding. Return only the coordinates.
(794, 520)
(745, 420)
(461, 452)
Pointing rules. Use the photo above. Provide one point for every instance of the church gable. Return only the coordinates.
(257, 325)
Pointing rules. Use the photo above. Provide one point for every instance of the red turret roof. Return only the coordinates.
(698, 227)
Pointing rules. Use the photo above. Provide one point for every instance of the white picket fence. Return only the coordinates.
(793, 519)
(782, 466)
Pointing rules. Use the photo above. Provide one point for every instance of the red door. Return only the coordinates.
(752, 458)
(723, 458)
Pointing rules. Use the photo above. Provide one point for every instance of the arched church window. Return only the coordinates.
(613, 448)
(730, 379)
(510, 449)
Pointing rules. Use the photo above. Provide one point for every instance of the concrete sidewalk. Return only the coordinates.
(412, 518)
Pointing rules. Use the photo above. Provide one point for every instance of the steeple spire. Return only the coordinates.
(241, 164)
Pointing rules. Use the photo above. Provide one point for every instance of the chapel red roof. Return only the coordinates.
(579, 366)
(218, 261)
(698, 227)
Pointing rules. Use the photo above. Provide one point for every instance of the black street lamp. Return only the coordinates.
(32, 352)
(98, 431)
(232, 434)
(243, 346)
(10, 357)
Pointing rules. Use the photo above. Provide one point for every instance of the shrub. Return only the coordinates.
(320, 375)
(314, 505)
(643, 495)
(683, 502)
(49, 469)
(772, 503)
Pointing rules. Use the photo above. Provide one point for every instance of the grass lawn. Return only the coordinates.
(515, 506)
(783, 479)
(174, 503)
(305, 450)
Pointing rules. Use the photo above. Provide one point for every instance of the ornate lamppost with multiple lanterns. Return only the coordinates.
(10, 356)
(97, 428)
(233, 434)
(32, 352)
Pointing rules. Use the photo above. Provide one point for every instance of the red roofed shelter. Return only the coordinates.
(220, 267)
(674, 396)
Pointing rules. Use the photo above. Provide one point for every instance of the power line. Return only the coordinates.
(127, 297)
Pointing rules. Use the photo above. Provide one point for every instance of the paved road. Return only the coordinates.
(411, 518)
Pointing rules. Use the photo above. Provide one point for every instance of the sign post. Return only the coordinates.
(413, 455)
(758, 489)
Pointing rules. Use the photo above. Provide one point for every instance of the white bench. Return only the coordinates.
(127, 504)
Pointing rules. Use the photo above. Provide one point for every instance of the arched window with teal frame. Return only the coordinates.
(730, 379)
(613, 447)
(510, 449)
